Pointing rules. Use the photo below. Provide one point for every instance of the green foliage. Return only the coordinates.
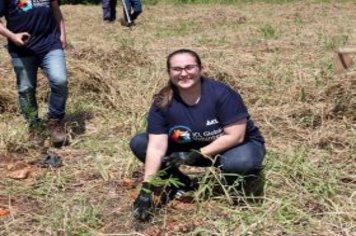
(332, 42)
(158, 181)
(288, 213)
(51, 184)
(181, 29)
(328, 43)
(316, 180)
(302, 95)
(89, 213)
(211, 41)
(84, 215)
(298, 21)
(269, 32)
(150, 2)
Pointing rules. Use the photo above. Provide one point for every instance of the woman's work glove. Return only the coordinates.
(143, 205)
(182, 158)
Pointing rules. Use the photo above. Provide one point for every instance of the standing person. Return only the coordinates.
(191, 119)
(109, 10)
(134, 9)
(36, 38)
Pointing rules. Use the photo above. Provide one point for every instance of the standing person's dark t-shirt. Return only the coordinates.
(198, 125)
(36, 18)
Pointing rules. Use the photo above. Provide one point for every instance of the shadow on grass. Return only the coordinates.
(237, 190)
(76, 122)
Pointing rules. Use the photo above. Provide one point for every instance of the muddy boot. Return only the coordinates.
(37, 133)
(57, 132)
(253, 187)
(125, 23)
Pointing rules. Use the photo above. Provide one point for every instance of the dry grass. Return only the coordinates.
(278, 56)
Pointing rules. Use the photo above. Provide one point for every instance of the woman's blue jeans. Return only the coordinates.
(53, 65)
(243, 159)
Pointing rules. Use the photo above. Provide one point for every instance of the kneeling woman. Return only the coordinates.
(192, 118)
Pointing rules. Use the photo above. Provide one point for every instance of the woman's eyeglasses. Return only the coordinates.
(187, 68)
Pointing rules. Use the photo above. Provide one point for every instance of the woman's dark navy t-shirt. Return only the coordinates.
(36, 18)
(198, 125)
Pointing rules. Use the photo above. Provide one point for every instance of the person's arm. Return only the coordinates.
(157, 147)
(234, 134)
(19, 39)
(232, 115)
(59, 17)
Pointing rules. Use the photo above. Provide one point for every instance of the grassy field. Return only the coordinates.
(279, 56)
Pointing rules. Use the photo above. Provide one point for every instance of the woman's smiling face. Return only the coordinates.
(184, 71)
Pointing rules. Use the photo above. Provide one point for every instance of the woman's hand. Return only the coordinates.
(182, 158)
(143, 205)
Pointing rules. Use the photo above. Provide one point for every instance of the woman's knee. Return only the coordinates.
(138, 145)
(138, 140)
(245, 159)
(239, 165)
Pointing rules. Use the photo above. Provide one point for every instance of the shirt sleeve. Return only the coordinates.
(156, 122)
(231, 108)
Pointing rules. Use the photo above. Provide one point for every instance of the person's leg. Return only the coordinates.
(54, 66)
(113, 10)
(137, 9)
(245, 161)
(138, 146)
(128, 8)
(107, 10)
(26, 77)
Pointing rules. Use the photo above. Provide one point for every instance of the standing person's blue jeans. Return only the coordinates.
(244, 159)
(53, 65)
(109, 10)
(134, 9)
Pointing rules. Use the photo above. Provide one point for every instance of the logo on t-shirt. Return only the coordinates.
(211, 122)
(180, 134)
(24, 5)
